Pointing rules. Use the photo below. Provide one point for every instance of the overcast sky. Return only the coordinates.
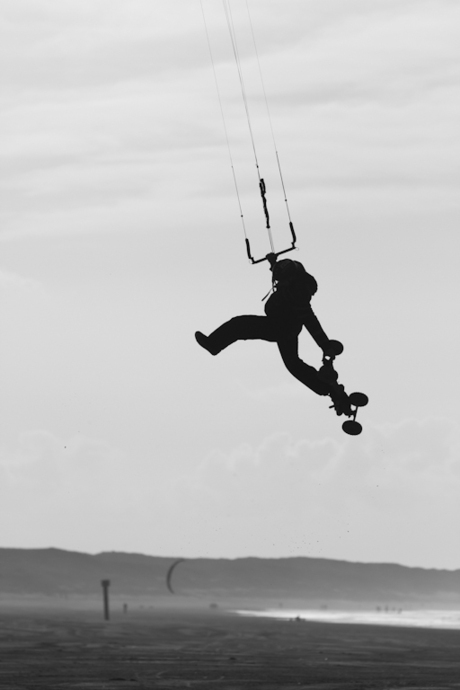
(120, 236)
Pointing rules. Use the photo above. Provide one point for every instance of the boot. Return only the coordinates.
(340, 400)
(203, 340)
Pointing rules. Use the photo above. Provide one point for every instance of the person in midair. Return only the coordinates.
(287, 310)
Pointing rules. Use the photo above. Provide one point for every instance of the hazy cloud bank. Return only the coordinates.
(378, 498)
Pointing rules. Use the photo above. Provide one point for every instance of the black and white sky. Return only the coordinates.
(120, 236)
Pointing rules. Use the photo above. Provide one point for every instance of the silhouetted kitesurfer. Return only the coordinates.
(287, 310)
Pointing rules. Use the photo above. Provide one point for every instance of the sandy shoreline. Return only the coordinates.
(212, 649)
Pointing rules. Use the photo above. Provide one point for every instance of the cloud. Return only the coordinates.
(13, 282)
(70, 158)
(42, 459)
(86, 45)
(369, 89)
(103, 121)
(372, 51)
(391, 495)
(412, 451)
(47, 478)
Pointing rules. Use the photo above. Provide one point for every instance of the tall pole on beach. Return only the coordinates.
(105, 587)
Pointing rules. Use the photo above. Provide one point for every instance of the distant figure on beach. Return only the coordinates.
(287, 310)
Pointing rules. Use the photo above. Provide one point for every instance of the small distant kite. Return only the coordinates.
(170, 572)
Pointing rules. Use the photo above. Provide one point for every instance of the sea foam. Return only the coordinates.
(446, 619)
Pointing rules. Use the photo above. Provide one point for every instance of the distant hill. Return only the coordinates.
(57, 572)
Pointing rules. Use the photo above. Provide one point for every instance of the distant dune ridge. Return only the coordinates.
(57, 572)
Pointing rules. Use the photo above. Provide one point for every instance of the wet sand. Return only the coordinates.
(212, 649)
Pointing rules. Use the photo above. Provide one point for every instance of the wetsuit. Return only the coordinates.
(286, 312)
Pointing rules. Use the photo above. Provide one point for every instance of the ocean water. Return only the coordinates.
(445, 619)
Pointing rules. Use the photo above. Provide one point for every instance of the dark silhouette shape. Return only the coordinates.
(170, 572)
(105, 587)
(287, 310)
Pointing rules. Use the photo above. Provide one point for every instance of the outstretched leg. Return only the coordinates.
(323, 382)
(239, 328)
(309, 376)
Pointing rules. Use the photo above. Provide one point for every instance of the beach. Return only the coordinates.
(216, 649)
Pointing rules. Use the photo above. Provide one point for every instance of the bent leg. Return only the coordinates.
(241, 328)
(289, 351)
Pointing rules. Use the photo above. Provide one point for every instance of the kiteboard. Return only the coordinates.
(351, 426)
(351, 403)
